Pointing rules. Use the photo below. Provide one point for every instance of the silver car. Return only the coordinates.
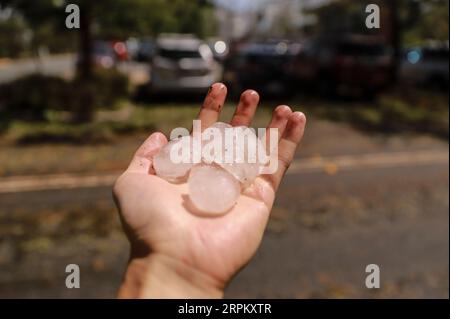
(183, 63)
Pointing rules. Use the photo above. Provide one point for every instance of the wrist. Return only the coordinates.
(160, 276)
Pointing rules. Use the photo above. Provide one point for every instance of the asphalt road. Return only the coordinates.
(326, 226)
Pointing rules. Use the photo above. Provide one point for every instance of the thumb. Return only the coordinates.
(142, 159)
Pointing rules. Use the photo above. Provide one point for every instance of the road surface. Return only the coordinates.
(333, 217)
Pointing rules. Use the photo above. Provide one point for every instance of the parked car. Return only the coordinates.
(103, 54)
(348, 65)
(145, 51)
(183, 63)
(263, 66)
(120, 49)
(219, 48)
(107, 54)
(132, 45)
(426, 65)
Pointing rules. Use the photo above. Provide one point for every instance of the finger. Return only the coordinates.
(246, 108)
(212, 105)
(142, 159)
(289, 141)
(278, 121)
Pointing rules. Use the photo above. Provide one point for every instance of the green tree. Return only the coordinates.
(402, 21)
(431, 22)
(12, 40)
(115, 19)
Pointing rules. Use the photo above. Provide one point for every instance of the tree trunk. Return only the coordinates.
(84, 109)
(395, 37)
(85, 70)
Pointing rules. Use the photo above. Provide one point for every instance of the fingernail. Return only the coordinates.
(216, 87)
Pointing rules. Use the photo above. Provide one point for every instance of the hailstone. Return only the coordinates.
(166, 167)
(214, 185)
(245, 165)
(212, 189)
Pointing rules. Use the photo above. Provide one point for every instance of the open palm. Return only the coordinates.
(158, 217)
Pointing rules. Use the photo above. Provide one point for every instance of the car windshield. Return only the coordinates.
(179, 54)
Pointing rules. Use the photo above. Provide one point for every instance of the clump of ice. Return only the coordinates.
(212, 189)
(215, 184)
(168, 169)
(245, 165)
(243, 161)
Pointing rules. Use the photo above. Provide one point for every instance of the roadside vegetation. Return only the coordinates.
(399, 111)
(107, 142)
(405, 111)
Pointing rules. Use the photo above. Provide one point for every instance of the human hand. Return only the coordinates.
(177, 254)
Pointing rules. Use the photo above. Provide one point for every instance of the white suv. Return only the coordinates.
(183, 63)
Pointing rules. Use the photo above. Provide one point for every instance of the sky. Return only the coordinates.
(241, 5)
(245, 5)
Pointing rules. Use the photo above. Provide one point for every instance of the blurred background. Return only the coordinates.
(369, 185)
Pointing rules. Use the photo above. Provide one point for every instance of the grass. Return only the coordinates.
(108, 143)
(130, 119)
(104, 145)
(397, 112)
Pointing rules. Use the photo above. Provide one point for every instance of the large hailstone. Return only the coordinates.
(244, 165)
(212, 189)
(214, 185)
(213, 154)
(166, 168)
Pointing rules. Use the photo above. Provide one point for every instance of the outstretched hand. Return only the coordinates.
(177, 254)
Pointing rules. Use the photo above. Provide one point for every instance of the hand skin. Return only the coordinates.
(178, 254)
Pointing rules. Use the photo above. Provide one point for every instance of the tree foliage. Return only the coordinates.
(418, 21)
(120, 19)
(108, 20)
